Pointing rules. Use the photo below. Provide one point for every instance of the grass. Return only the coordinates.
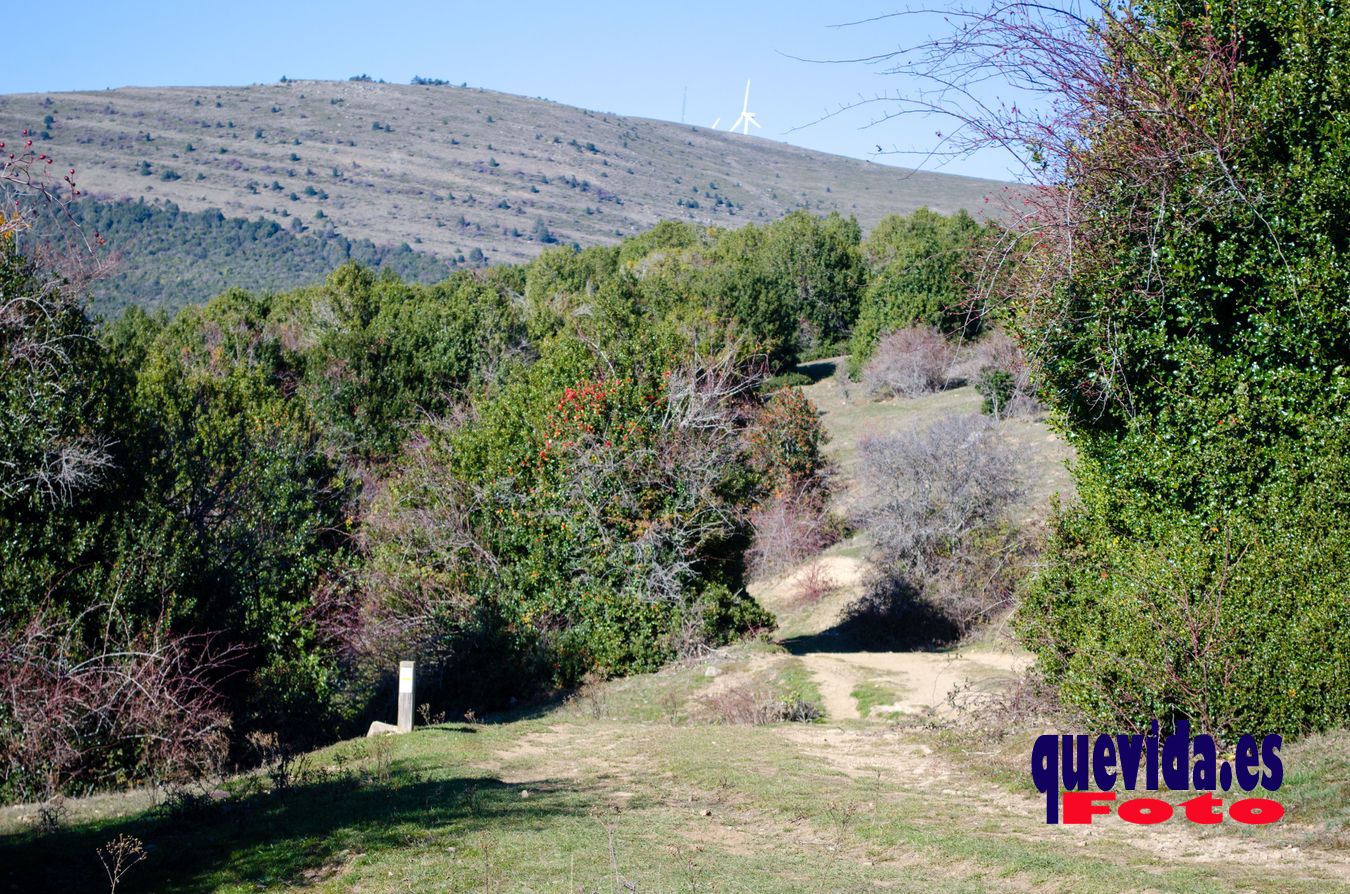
(1316, 789)
(793, 681)
(564, 804)
(871, 694)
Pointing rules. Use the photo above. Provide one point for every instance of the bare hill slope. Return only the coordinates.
(448, 169)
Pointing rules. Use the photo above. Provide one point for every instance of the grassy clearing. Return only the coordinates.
(561, 803)
(849, 417)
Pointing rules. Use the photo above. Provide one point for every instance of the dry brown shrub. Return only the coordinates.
(908, 363)
(756, 704)
(138, 705)
(926, 491)
(790, 527)
(814, 584)
(936, 509)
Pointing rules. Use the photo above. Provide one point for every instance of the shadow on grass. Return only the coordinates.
(296, 836)
(818, 370)
(890, 616)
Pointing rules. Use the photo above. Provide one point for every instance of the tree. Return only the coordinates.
(1180, 292)
(96, 686)
(584, 520)
(915, 266)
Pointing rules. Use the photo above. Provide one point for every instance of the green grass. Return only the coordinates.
(794, 681)
(870, 694)
(556, 803)
(1316, 789)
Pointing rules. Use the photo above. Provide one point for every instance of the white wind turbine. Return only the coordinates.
(747, 117)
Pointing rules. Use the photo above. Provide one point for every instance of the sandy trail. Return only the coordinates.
(921, 680)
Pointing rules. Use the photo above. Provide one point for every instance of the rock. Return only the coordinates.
(711, 671)
(382, 729)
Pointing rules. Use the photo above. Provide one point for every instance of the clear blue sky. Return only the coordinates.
(631, 58)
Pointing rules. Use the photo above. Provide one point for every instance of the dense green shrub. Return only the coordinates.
(791, 379)
(914, 278)
(786, 440)
(386, 353)
(997, 387)
(1241, 628)
(59, 441)
(582, 514)
(1197, 356)
(239, 513)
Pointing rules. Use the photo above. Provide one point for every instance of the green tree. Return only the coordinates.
(1196, 354)
(387, 353)
(914, 278)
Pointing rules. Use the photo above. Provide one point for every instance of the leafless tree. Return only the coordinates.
(790, 527)
(934, 505)
(420, 536)
(927, 490)
(37, 338)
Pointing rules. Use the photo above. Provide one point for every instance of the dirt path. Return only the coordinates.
(918, 682)
(890, 683)
(921, 681)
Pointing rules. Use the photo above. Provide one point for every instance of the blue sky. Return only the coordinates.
(632, 58)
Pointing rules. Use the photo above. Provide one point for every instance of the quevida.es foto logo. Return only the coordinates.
(1079, 773)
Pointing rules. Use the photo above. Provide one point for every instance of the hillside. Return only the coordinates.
(165, 257)
(450, 171)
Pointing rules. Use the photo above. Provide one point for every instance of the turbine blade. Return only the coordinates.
(752, 120)
(746, 106)
(713, 126)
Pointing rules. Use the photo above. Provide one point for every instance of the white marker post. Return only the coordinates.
(405, 696)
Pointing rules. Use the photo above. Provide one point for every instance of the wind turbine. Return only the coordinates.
(747, 117)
